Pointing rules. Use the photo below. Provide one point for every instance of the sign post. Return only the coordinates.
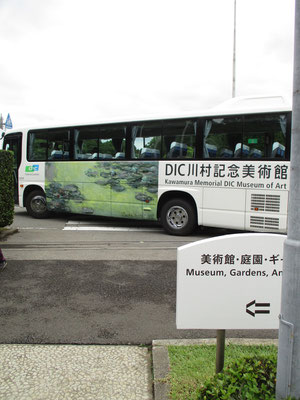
(230, 282)
(220, 351)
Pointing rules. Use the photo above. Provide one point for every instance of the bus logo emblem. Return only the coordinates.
(32, 168)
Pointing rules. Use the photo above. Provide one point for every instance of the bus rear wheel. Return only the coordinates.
(36, 204)
(178, 217)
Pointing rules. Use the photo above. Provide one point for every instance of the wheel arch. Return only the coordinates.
(29, 189)
(172, 194)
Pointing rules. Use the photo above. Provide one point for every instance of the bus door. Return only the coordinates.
(13, 143)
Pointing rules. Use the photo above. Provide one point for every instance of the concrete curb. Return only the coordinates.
(161, 367)
(161, 363)
(7, 232)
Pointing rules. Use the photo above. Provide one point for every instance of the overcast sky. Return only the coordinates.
(89, 60)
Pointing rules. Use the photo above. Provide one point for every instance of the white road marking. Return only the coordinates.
(94, 226)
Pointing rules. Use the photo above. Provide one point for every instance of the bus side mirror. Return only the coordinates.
(2, 135)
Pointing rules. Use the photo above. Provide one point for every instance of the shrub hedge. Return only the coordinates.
(6, 188)
(251, 378)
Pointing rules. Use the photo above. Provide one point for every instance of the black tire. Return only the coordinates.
(36, 204)
(178, 217)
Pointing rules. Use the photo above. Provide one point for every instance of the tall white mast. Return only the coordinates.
(234, 51)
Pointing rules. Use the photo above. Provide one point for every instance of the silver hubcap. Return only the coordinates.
(38, 204)
(177, 217)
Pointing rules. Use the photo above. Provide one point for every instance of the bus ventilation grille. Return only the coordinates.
(265, 202)
(264, 223)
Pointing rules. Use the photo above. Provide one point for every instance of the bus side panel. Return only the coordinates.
(107, 188)
(225, 187)
(134, 189)
(30, 174)
(266, 210)
(224, 208)
(64, 187)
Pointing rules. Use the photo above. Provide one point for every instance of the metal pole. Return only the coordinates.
(220, 350)
(288, 365)
(234, 51)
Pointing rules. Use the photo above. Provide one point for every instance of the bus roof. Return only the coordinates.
(234, 106)
(257, 104)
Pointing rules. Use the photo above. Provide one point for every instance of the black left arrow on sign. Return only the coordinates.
(259, 308)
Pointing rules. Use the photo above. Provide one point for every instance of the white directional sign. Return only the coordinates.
(230, 282)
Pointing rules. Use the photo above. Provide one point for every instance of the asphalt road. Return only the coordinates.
(74, 237)
(93, 286)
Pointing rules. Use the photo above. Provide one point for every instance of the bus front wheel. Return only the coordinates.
(178, 217)
(36, 204)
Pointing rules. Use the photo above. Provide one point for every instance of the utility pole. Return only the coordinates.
(288, 366)
(234, 51)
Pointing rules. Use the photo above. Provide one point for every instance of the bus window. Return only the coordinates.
(265, 136)
(86, 143)
(95, 143)
(146, 141)
(222, 138)
(58, 144)
(112, 142)
(37, 146)
(179, 139)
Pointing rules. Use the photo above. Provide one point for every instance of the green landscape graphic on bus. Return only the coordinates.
(106, 188)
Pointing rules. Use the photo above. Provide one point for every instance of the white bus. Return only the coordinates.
(226, 167)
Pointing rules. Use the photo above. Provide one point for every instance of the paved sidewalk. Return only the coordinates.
(66, 372)
(88, 372)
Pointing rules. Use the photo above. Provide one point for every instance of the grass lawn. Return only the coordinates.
(191, 366)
